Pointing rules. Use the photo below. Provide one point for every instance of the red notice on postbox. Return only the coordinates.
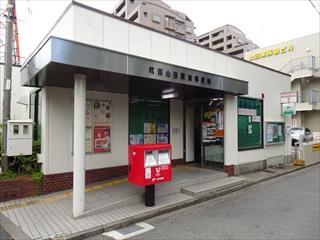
(149, 164)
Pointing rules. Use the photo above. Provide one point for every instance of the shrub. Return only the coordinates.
(8, 175)
(37, 177)
(25, 164)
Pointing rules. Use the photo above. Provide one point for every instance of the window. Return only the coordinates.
(15, 129)
(203, 39)
(170, 23)
(25, 129)
(219, 49)
(237, 52)
(217, 34)
(229, 46)
(217, 41)
(180, 27)
(123, 15)
(189, 29)
(123, 3)
(134, 16)
(229, 37)
(250, 119)
(156, 18)
(145, 14)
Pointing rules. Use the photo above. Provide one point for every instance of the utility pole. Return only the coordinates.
(7, 80)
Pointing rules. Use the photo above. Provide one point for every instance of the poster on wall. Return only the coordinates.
(102, 140)
(88, 139)
(208, 132)
(101, 112)
(162, 138)
(149, 139)
(88, 114)
(149, 128)
(162, 128)
(136, 139)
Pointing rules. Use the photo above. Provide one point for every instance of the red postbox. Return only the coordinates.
(149, 164)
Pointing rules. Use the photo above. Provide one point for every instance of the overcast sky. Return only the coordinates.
(264, 22)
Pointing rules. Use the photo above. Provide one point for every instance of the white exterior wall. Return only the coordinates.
(263, 82)
(93, 28)
(304, 46)
(57, 125)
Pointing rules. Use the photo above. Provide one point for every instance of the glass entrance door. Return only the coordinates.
(213, 135)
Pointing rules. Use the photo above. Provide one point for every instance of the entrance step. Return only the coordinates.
(176, 185)
(211, 187)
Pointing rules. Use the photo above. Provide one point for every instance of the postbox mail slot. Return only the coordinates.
(150, 159)
(164, 157)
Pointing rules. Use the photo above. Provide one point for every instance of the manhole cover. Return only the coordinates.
(130, 231)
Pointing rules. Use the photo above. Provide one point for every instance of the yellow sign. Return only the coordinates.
(271, 52)
(316, 147)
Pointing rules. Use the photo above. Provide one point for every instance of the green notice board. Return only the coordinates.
(275, 133)
(148, 121)
(249, 123)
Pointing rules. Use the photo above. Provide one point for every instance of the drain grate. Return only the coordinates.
(268, 171)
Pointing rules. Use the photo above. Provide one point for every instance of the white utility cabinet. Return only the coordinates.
(19, 137)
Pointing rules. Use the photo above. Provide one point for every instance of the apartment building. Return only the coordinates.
(228, 39)
(157, 15)
(300, 58)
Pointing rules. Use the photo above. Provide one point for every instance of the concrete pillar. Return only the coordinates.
(230, 130)
(79, 144)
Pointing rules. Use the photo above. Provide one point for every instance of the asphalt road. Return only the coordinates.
(287, 207)
(3, 234)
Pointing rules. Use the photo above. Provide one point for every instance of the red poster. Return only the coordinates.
(102, 139)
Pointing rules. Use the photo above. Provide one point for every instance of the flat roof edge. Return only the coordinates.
(75, 3)
(123, 63)
(168, 35)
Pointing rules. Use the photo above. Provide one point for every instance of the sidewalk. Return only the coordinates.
(117, 203)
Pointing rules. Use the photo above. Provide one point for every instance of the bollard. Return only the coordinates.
(149, 196)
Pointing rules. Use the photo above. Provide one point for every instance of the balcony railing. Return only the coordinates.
(305, 63)
(310, 96)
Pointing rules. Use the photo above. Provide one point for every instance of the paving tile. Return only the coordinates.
(53, 218)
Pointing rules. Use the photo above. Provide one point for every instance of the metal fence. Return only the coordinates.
(310, 62)
(310, 96)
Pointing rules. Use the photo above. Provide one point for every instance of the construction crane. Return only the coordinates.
(16, 59)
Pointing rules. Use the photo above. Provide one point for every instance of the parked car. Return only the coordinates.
(298, 133)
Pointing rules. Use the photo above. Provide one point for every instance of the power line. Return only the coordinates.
(315, 7)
